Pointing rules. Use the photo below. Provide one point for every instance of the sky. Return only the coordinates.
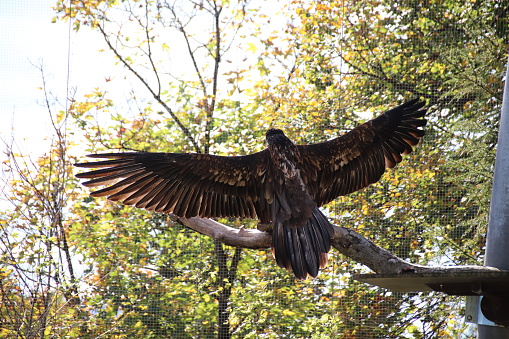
(29, 40)
(71, 61)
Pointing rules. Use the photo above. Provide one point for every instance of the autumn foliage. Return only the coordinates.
(211, 77)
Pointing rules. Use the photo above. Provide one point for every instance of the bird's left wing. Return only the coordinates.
(186, 184)
(358, 158)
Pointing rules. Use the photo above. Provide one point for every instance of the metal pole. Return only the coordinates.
(497, 241)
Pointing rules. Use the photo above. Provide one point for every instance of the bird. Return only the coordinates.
(284, 185)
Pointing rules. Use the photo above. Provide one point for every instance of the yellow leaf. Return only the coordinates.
(252, 47)
(288, 312)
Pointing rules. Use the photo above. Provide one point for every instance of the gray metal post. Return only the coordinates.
(497, 241)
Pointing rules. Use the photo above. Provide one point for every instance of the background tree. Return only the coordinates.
(39, 278)
(199, 108)
(309, 68)
(433, 50)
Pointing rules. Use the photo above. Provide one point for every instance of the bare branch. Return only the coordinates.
(346, 241)
(148, 53)
(156, 96)
(245, 238)
(190, 51)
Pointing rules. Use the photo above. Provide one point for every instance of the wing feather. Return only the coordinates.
(187, 184)
(359, 158)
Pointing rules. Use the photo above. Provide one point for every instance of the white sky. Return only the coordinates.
(29, 38)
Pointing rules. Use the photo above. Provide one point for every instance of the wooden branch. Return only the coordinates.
(243, 237)
(346, 241)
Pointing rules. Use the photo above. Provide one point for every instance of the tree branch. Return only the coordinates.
(155, 95)
(346, 241)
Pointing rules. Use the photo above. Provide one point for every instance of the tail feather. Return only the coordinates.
(304, 250)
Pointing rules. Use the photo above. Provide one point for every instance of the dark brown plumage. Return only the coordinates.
(283, 184)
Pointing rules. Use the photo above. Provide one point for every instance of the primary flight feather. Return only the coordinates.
(285, 184)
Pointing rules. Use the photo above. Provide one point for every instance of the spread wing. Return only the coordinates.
(358, 158)
(187, 184)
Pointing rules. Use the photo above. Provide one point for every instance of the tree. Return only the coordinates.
(203, 110)
(160, 281)
(424, 49)
(39, 290)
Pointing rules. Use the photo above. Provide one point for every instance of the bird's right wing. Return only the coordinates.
(358, 158)
(186, 184)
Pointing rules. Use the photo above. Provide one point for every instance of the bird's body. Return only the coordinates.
(301, 234)
(285, 184)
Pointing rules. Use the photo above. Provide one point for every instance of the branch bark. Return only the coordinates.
(348, 242)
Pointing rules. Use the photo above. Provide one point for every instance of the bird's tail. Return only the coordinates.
(304, 250)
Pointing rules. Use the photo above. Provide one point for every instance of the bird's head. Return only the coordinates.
(275, 136)
(273, 131)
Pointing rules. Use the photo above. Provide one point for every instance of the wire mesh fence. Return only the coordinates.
(211, 77)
